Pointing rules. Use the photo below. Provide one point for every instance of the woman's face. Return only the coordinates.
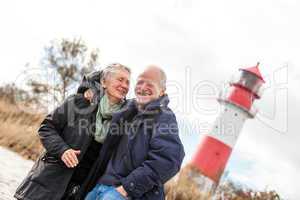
(117, 85)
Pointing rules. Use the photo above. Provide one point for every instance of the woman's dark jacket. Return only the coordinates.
(71, 125)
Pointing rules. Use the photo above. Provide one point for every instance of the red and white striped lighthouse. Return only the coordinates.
(237, 106)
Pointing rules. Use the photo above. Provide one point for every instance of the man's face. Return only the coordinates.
(148, 87)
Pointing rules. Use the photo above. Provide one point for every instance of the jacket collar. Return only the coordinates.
(158, 104)
(126, 111)
(154, 107)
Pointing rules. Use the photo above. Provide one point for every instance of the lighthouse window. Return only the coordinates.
(250, 81)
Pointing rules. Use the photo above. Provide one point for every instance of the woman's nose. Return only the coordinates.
(125, 85)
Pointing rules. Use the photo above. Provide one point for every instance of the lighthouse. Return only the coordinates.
(210, 159)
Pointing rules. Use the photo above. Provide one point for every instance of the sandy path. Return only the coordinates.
(13, 169)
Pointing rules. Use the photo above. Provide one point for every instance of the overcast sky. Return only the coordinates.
(200, 44)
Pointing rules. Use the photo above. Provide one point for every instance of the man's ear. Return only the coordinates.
(162, 93)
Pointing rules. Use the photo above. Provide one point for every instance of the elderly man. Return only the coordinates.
(150, 151)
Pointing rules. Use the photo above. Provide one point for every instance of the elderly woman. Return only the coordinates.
(74, 135)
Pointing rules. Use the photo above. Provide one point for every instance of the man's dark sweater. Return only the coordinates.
(86, 163)
(119, 160)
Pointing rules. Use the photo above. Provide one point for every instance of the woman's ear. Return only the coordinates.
(102, 81)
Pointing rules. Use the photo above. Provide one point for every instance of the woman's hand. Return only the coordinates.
(69, 157)
(88, 95)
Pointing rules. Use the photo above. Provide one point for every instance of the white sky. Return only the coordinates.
(200, 44)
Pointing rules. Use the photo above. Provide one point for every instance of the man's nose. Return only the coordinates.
(142, 86)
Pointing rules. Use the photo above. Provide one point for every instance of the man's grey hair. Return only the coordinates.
(113, 67)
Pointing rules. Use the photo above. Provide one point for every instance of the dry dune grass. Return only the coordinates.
(18, 130)
(182, 188)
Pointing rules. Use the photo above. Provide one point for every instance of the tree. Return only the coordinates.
(69, 60)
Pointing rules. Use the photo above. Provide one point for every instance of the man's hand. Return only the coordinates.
(88, 95)
(122, 191)
(69, 157)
